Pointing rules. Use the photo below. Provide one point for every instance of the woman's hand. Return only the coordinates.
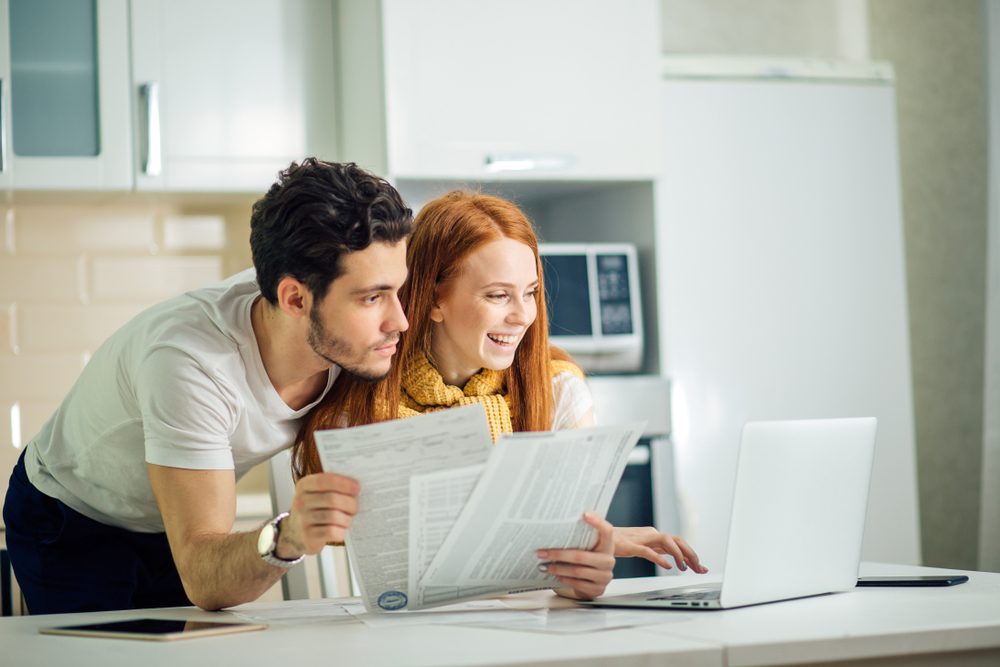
(647, 542)
(587, 573)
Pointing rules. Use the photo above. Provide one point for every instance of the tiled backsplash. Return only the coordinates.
(73, 272)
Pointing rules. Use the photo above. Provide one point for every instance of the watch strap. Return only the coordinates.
(269, 556)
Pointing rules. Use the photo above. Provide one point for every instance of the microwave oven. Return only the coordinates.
(594, 304)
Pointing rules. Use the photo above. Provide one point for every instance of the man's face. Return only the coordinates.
(357, 324)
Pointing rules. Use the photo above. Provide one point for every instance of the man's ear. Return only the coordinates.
(294, 298)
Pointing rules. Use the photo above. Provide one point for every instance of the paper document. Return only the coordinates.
(580, 621)
(436, 499)
(297, 611)
(383, 457)
(445, 517)
(531, 495)
(465, 613)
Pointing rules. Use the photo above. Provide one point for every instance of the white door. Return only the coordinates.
(229, 92)
(782, 289)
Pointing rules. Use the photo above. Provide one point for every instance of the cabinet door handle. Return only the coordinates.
(3, 129)
(529, 162)
(150, 93)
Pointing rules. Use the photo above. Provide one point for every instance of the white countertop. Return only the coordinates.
(862, 623)
(868, 623)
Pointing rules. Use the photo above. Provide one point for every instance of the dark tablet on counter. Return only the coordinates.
(156, 629)
(928, 580)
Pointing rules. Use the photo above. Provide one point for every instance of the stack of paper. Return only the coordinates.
(444, 516)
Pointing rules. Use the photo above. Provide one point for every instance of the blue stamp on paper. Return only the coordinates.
(392, 600)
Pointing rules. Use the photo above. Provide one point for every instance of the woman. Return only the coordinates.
(479, 334)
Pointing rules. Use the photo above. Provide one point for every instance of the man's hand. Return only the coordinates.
(587, 573)
(647, 542)
(322, 510)
(220, 568)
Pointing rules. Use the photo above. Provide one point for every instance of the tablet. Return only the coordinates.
(156, 629)
(931, 580)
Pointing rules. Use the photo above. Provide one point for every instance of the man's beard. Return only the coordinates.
(333, 349)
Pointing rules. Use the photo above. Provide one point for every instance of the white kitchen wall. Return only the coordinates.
(798, 28)
(937, 50)
(989, 522)
(74, 268)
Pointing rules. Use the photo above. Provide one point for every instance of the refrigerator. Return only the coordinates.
(781, 283)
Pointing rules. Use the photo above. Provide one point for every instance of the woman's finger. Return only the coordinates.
(668, 544)
(577, 558)
(583, 572)
(584, 590)
(627, 549)
(586, 582)
(605, 532)
(690, 556)
(586, 572)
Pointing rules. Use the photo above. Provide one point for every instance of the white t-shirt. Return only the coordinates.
(572, 399)
(181, 385)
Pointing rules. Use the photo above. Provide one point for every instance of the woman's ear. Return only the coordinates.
(436, 314)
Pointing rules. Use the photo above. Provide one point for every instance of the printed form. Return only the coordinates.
(445, 517)
(383, 457)
(531, 495)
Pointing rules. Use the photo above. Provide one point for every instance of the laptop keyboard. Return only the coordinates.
(709, 594)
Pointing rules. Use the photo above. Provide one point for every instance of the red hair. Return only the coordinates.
(447, 230)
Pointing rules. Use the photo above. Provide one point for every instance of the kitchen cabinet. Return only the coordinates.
(521, 89)
(64, 102)
(228, 92)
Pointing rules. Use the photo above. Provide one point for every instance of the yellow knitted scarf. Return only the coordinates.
(424, 390)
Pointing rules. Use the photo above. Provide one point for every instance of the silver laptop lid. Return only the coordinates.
(798, 509)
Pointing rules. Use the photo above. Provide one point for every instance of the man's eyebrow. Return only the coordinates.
(373, 288)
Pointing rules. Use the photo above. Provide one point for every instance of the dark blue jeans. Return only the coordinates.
(65, 562)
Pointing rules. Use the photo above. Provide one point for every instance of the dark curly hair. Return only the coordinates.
(316, 213)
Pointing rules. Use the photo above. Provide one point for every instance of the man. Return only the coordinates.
(126, 498)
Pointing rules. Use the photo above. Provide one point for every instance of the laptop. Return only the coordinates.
(798, 517)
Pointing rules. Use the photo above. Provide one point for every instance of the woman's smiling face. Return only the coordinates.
(487, 309)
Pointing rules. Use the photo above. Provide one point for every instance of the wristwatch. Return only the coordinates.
(267, 542)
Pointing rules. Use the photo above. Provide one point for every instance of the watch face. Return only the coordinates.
(265, 542)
